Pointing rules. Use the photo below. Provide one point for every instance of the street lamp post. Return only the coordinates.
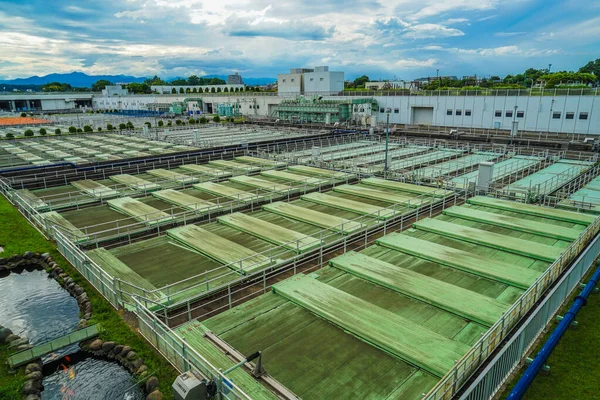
(437, 78)
(387, 140)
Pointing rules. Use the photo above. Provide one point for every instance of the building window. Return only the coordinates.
(292, 79)
(498, 113)
(251, 106)
(458, 112)
(583, 115)
(283, 81)
(556, 115)
(381, 110)
(570, 115)
(520, 114)
(448, 112)
(396, 111)
(257, 106)
(467, 113)
(508, 113)
(312, 79)
(321, 79)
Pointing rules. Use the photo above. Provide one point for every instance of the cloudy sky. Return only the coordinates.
(259, 38)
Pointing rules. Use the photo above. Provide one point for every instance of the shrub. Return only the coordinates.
(160, 123)
(129, 125)
(57, 132)
(79, 130)
(28, 133)
(23, 115)
(10, 136)
(72, 129)
(122, 126)
(109, 127)
(178, 122)
(169, 123)
(149, 124)
(203, 120)
(43, 131)
(88, 128)
(99, 129)
(192, 121)
(216, 118)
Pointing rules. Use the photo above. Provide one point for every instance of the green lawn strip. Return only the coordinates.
(17, 236)
(573, 374)
(10, 384)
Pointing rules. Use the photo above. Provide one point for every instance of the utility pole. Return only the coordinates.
(437, 77)
(387, 140)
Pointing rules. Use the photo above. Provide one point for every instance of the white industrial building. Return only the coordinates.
(168, 89)
(548, 113)
(319, 80)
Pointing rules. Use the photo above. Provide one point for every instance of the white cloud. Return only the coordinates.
(509, 34)
(392, 27)
(412, 63)
(501, 51)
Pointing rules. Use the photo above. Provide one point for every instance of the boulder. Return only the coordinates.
(155, 395)
(35, 375)
(33, 367)
(18, 342)
(87, 316)
(4, 333)
(143, 375)
(143, 368)
(32, 387)
(78, 290)
(126, 349)
(28, 255)
(32, 397)
(11, 337)
(108, 346)
(151, 384)
(117, 349)
(24, 347)
(45, 256)
(132, 355)
(82, 324)
(3, 270)
(3, 261)
(138, 362)
(96, 345)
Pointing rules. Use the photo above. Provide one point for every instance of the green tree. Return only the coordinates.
(593, 67)
(79, 130)
(156, 81)
(100, 85)
(216, 118)
(194, 90)
(72, 129)
(193, 80)
(218, 90)
(361, 80)
(188, 90)
(200, 90)
(23, 115)
(57, 132)
(129, 125)
(109, 127)
(178, 122)
(10, 136)
(203, 120)
(181, 90)
(160, 123)
(173, 91)
(43, 131)
(122, 126)
(139, 88)
(56, 87)
(178, 82)
(28, 133)
(88, 128)
(212, 90)
(169, 123)
(192, 121)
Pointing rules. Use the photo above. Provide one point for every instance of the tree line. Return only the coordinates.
(587, 74)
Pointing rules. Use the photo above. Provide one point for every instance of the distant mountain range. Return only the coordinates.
(80, 79)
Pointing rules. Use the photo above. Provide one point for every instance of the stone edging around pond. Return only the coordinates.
(129, 359)
(33, 371)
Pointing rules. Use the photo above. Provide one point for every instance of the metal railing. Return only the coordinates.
(497, 372)
(464, 368)
(181, 355)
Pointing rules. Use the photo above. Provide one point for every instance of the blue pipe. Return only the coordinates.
(31, 167)
(540, 359)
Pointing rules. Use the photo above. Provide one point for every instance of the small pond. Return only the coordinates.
(79, 376)
(36, 307)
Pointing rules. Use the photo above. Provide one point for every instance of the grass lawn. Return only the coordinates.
(17, 236)
(573, 363)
